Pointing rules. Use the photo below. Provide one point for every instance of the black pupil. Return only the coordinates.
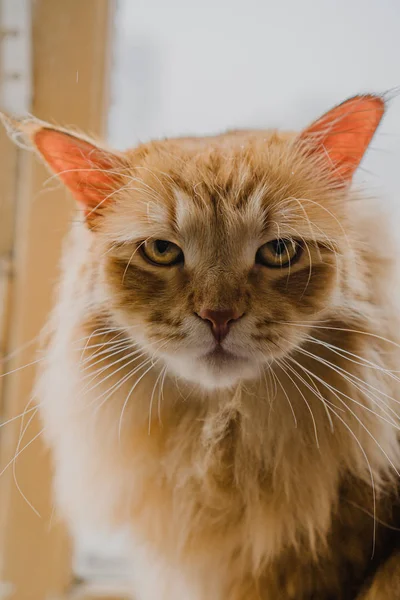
(162, 246)
(280, 247)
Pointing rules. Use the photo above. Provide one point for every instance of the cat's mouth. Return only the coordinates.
(218, 355)
(214, 367)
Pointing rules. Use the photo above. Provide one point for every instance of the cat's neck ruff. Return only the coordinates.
(279, 436)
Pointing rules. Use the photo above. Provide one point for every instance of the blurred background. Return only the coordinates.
(132, 70)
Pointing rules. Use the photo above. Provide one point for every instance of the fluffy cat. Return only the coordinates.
(222, 373)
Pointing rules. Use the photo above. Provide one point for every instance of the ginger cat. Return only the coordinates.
(222, 376)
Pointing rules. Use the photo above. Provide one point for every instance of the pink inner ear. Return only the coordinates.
(88, 171)
(344, 133)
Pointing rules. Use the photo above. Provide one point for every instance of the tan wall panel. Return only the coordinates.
(70, 56)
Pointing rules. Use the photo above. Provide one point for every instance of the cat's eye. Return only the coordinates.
(161, 252)
(278, 253)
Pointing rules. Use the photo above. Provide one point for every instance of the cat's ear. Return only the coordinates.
(90, 172)
(342, 135)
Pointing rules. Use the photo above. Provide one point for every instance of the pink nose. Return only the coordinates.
(220, 321)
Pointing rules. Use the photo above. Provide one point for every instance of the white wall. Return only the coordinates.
(200, 67)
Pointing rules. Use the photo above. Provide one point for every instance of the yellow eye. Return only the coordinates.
(278, 253)
(161, 252)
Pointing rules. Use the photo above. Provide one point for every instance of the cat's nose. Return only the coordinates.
(220, 321)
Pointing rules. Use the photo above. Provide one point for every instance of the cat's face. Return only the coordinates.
(216, 254)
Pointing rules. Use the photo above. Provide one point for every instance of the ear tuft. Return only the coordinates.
(20, 131)
(344, 133)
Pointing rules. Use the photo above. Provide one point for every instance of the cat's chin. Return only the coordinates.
(214, 370)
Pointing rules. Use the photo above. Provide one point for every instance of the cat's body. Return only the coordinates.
(259, 462)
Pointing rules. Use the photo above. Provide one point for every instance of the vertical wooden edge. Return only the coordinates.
(106, 35)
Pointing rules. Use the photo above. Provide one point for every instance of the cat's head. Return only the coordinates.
(207, 250)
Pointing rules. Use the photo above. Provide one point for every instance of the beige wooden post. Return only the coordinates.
(70, 65)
